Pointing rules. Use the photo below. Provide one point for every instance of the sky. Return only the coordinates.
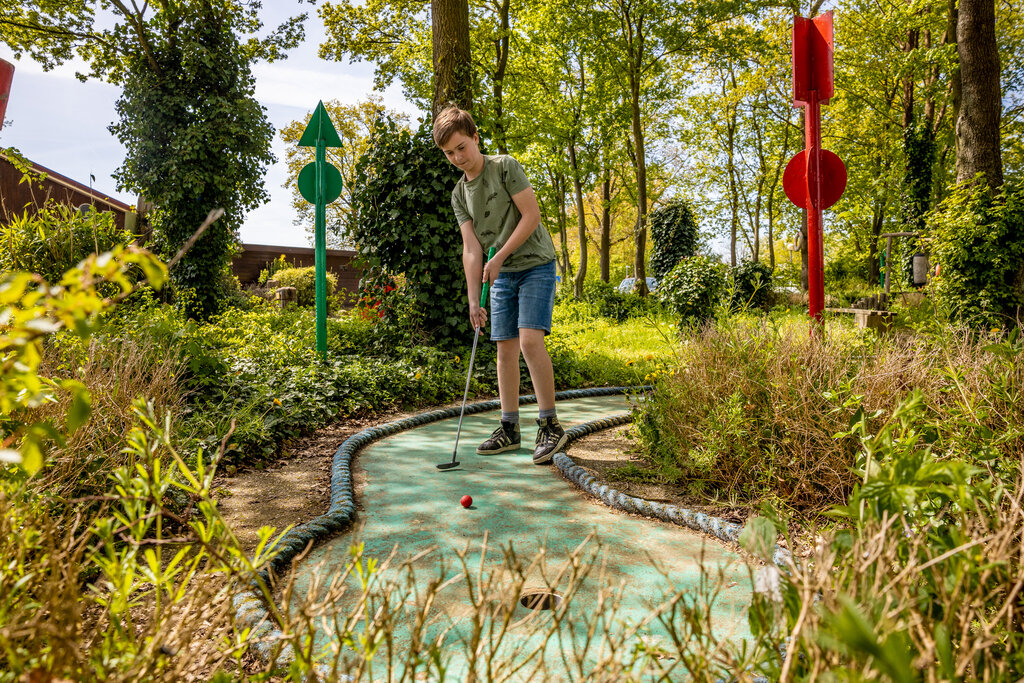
(61, 123)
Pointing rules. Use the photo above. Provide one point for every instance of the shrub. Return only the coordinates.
(674, 232)
(977, 241)
(751, 286)
(56, 239)
(304, 282)
(754, 410)
(608, 302)
(693, 288)
(280, 263)
(406, 225)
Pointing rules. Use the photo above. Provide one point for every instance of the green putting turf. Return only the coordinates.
(406, 502)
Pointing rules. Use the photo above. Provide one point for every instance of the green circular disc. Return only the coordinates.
(307, 183)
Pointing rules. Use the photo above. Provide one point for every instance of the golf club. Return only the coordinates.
(469, 374)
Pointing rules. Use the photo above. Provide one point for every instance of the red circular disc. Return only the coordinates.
(833, 179)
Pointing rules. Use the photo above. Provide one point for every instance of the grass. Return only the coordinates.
(757, 408)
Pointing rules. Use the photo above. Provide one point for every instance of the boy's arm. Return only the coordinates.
(526, 202)
(472, 263)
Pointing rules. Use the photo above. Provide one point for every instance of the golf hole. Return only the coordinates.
(540, 600)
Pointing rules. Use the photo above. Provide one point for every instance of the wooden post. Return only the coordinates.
(888, 263)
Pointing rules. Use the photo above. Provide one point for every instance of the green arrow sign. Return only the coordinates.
(320, 184)
(320, 127)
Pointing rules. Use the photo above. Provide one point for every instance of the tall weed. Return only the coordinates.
(752, 410)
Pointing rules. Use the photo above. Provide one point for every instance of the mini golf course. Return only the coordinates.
(414, 513)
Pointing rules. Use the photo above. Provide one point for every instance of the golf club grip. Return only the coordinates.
(487, 285)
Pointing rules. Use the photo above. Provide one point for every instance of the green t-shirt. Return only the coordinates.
(487, 201)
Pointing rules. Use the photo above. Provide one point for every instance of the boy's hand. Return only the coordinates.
(477, 315)
(492, 268)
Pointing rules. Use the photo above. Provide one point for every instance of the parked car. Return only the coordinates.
(626, 286)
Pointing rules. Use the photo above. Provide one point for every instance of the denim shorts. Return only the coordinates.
(522, 300)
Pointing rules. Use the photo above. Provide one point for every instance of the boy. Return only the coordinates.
(495, 207)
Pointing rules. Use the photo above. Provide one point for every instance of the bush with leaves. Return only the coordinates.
(406, 225)
(56, 239)
(280, 263)
(675, 235)
(751, 286)
(608, 302)
(693, 288)
(977, 242)
(304, 282)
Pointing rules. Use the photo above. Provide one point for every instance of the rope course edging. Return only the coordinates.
(698, 521)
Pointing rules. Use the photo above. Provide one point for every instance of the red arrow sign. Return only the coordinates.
(6, 76)
(812, 58)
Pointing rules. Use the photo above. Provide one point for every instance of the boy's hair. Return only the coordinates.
(452, 120)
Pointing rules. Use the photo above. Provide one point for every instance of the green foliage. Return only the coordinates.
(751, 285)
(755, 407)
(675, 234)
(977, 241)
(693, 288)
(141, 572)
(56, 239)
(280, 263)
(605, 300)
(304, 282)
(406, 225)
(933, 527)
(32, 310)
(196, 140)
(919, 148)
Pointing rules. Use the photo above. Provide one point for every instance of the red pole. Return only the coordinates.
(815, 239)
(6, 76)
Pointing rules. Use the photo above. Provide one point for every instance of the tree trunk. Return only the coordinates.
(877, 221)
(453, 78)
(501, 50)
(633, 30)
(606, 222)
(734, 196)
(977, 128)
(581, 222)
(563, 236)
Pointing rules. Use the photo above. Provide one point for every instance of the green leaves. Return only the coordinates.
(406, 225)
(30, 311)
(977, 240)
(758, 538)
(693, 288)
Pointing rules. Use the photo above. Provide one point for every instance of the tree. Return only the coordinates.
(977, 126)
(453, 71)
(645, 35)
(406, 225)
(196, 138)
(353, 123)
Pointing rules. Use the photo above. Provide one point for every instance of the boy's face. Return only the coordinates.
(463, 151)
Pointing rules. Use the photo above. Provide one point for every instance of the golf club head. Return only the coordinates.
(448, 465)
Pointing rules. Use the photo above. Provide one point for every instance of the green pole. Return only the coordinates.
(320, 184)
(320, 231)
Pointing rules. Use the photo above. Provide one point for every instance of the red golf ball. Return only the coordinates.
(467, 501)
